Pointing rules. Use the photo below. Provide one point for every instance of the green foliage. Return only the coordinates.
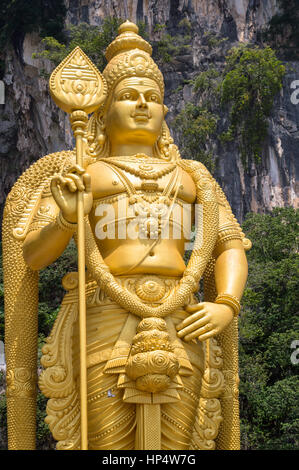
(18, 17)
(197, 121)
(195, 125)
(207, 89)
(143, 30)
(246, 87)
(207, 81)
(44, 439)
(275, 235)
(282, 31)
(212, 40)
(251, 79)
(268, 325)
(93, 40)
(168, 47)
(185, 25)
(51, 290)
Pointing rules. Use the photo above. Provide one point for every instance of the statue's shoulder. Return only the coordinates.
(195, 168)
(199, 172)
(43, 168)
(26, 193)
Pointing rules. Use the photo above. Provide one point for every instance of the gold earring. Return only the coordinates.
(101, 138)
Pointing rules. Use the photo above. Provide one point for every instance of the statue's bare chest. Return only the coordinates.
(149, 178)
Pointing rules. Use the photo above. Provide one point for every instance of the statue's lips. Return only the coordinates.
(141, 117)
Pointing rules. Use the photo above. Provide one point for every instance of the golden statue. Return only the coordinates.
(161, 368)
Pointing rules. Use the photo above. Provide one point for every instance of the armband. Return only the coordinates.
(228, 232)
(64, 224)
(229, 300)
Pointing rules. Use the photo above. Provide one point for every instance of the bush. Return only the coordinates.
(268, 325)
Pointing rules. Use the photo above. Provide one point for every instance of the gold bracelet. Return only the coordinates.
(64, 224)
(229, 300)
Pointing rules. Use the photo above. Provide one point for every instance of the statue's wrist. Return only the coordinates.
(229, 300)
(64, 224)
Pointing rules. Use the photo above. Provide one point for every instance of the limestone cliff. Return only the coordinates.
(31, 125)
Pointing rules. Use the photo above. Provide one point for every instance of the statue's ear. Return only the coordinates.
(165, 110)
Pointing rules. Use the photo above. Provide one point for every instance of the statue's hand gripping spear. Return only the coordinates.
(78, 88)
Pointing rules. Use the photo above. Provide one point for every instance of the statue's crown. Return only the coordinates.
(127, 39)
(129, 55)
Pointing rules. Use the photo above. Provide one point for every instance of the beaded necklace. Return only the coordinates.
(145, 168)
(152, 217)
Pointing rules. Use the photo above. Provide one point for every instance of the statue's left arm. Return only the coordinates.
(208, 319)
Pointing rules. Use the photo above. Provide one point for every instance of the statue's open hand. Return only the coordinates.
(206, 320)
(65, 188)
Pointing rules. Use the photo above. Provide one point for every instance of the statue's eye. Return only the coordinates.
(126, 96)
(154, 98)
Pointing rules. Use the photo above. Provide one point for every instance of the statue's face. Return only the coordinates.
(136, 112)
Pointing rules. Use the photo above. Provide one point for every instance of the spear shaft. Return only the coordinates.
(78, 88)
(78, 121)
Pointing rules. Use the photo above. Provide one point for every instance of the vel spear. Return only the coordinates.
(78, 88)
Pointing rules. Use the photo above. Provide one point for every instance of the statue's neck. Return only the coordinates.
(130, 150)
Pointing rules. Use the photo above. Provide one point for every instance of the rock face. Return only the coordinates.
(32, 126)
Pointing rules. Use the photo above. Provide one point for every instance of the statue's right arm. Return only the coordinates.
(44, 245)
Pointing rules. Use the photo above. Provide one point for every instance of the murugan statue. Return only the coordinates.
(161, 367)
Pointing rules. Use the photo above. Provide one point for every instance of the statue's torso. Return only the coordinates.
(121, 252)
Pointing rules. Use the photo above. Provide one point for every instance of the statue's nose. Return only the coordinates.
(141, 102)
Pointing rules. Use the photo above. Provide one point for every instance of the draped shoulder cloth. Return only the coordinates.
(217, 423)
